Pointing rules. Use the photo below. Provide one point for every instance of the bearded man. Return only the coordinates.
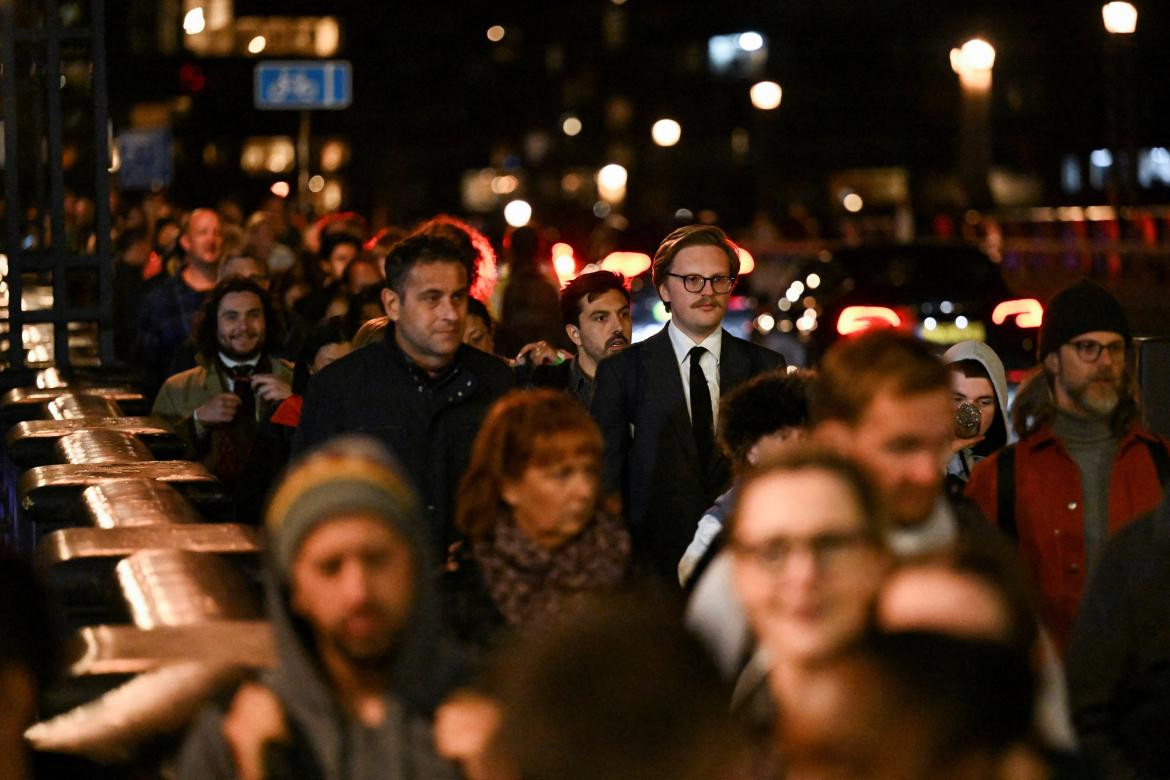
(1083, 467)
(218, 406)
(361, 662)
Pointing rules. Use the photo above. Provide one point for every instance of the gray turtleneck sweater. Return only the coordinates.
(1092, 445)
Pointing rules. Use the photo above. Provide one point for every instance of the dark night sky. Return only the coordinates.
(866, 84)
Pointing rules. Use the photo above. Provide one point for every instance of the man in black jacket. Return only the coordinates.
(655, 402)
(1119, 655)
(421, 390)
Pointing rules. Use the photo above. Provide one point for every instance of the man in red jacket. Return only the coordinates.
(1083, 467)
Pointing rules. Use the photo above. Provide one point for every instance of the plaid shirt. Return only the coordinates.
(164, 322)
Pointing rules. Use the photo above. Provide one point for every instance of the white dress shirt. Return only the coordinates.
(683, 345)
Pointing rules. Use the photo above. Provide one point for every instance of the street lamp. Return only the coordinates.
(766, 95)
(1120, 18)
(666, 132)
(611, 183)
(973, 62)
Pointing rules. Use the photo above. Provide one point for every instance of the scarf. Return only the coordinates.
(531, 584)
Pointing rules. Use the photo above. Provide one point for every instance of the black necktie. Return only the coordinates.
(702, 423)
(241, 376)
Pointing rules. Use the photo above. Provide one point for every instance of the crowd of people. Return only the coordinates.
(504, 541)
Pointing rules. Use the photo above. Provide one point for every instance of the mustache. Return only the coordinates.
(615, 339)
(706, 300)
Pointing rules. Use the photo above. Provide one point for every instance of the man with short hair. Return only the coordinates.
(1084, 467)
(656, 401)
(884, 399)
(420, 389)
(595, 308)
(168, 312)
(360, 664)
(217, 407)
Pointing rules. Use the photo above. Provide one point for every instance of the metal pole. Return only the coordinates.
(101, 183)
(12, 209)
(56, 246)
(303, 137)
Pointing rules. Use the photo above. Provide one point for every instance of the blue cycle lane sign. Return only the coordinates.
(303, 84)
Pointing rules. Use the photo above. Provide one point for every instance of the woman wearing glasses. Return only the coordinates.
(808, 559)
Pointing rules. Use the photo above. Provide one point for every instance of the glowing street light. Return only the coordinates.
(766, 95)
(750, 41)
(1120, 18)
(666, 132)
(517, 213)
(564, 263)
(495, 33)
(611, 182)
(257, 44)
(973, 62)
(571, 125)
(194, 22)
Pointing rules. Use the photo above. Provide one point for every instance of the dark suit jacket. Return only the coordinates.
(655, 465)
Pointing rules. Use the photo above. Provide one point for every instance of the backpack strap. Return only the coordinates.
(1005, 484)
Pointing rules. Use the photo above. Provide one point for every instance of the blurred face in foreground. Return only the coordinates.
(904, 441)
(353, 581)
(803, 565)
(555, 496)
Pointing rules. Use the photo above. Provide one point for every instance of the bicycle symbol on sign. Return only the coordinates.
(294, 86)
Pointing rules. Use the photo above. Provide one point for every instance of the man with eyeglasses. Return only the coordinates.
(1083, 467)
(656, 401)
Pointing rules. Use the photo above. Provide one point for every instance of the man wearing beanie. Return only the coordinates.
(361, 668)
(1083, 467)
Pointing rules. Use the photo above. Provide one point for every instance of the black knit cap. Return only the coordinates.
(1077, 309)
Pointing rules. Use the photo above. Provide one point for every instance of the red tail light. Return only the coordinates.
(1027, 311)
(855, 319)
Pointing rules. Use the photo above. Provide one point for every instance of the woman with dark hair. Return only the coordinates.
(481, 328)
(539, 537)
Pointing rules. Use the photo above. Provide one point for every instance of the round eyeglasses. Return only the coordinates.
(1090, 351)
(694, 283)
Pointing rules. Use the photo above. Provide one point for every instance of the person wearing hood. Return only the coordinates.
(361, 669)
(977, 380)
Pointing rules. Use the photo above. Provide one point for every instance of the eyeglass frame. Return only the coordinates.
(828, 550)
(1116, 349)
(731, 280)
